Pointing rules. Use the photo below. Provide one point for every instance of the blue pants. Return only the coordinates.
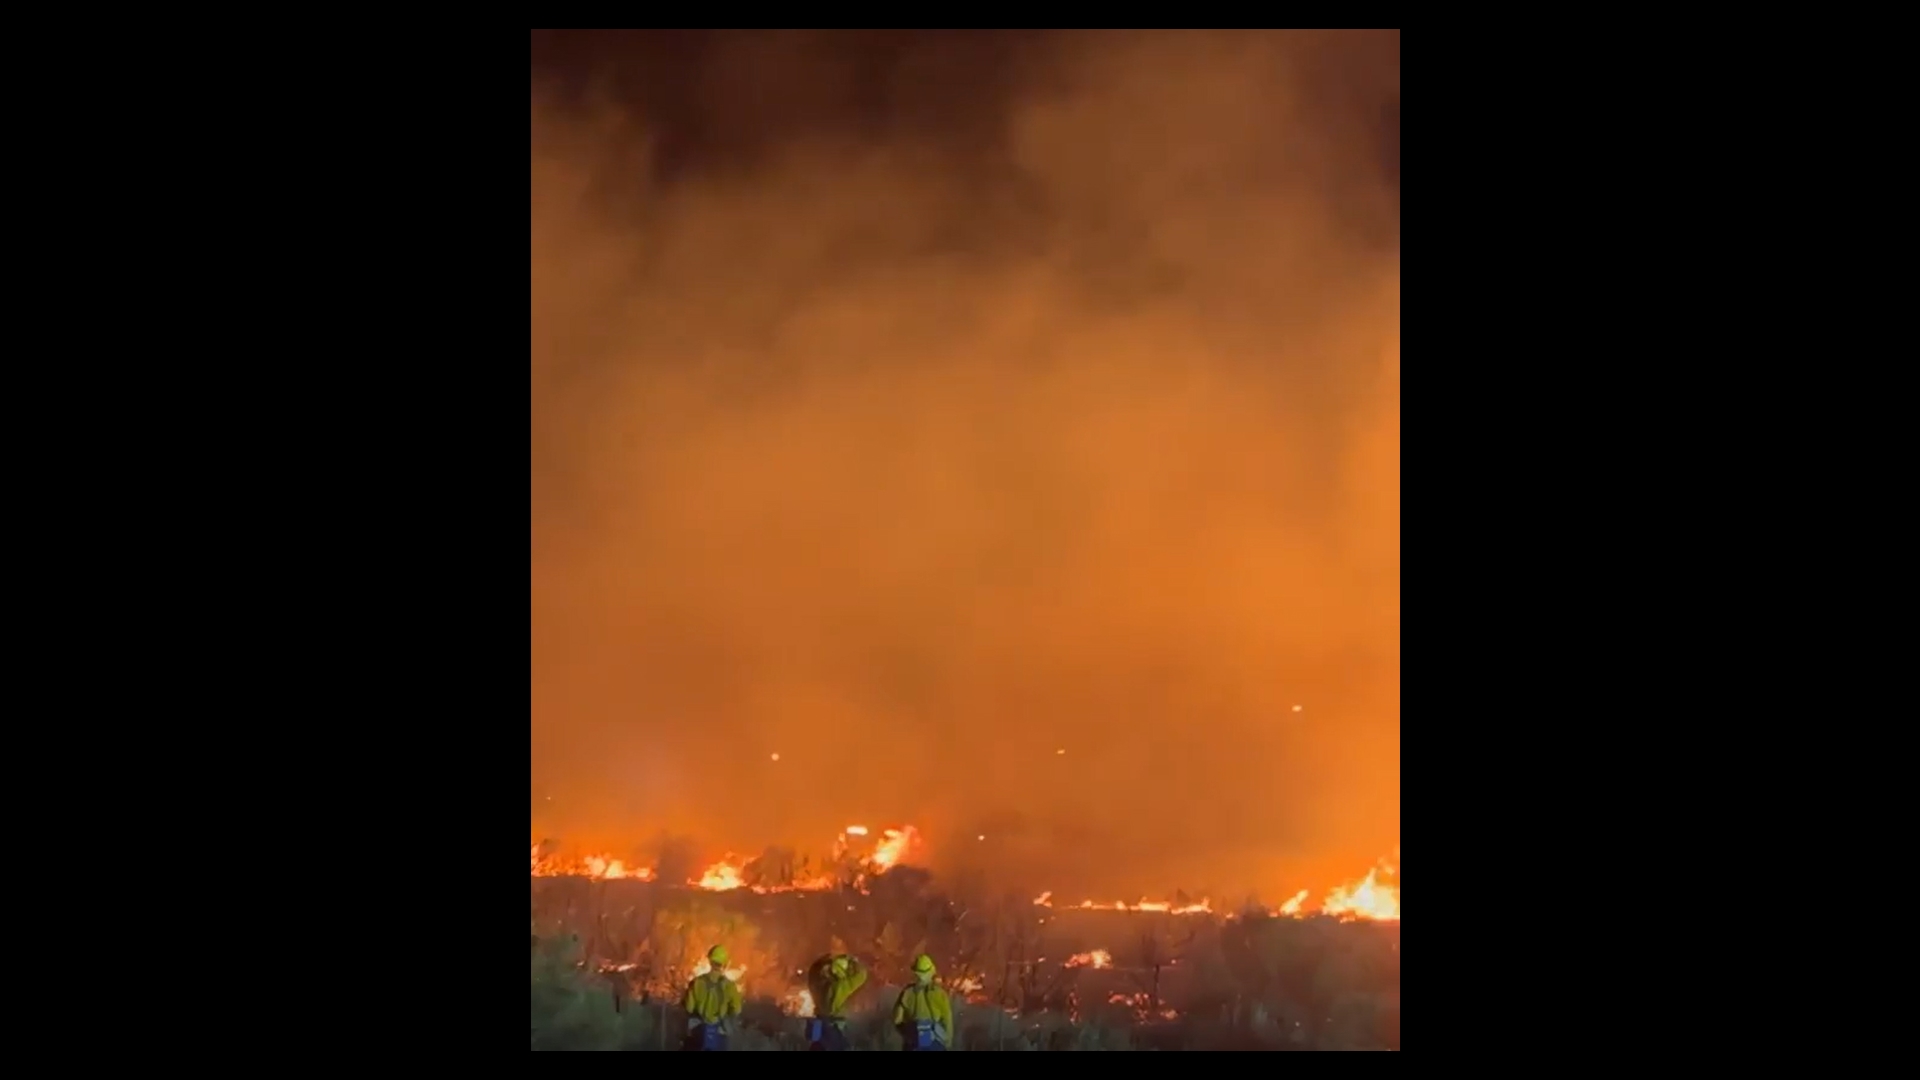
(918, 1035)
(830, 1038)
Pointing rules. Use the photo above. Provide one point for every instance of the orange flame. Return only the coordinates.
(729, 872)
(1370, 897)
(893, 846)
(1140, 1004)
(724, 875)
(1098, 958)
(1201, 907)
(1375, 896)
(597, 867)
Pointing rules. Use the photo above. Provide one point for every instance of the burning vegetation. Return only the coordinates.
(855, 857)
(1018, 964)
(858, 856)
(1017, 456)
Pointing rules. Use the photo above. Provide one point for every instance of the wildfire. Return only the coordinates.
(1098, 958)
(1045, 899)
(1374, 897)
(1142, 1005)
(1368, 898)
(730, 871)
(723, 875)
(598, 867)
(892, 848)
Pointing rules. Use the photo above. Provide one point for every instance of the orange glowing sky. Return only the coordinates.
(1038, 487)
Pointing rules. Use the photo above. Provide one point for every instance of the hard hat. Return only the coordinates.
(717, 956)
(839, 965)
(923, 964)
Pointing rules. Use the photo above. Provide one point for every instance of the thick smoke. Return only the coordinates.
(918, 453)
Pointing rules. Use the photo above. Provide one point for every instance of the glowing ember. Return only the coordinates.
(856, 830)
(1141, 1004)
(1098, 958)
(1201, 907)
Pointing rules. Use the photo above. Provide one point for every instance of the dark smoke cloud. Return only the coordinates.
(917, 451)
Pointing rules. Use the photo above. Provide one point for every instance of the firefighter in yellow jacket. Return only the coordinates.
(712, 1001)
(924, 1015)
(832, 980)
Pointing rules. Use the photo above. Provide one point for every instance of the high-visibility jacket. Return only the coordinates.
(926, 1001)
(712, 998)
(830, 991)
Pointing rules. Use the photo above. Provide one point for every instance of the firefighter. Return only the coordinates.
(832, 979)
(712, 1001)
(924, 1015)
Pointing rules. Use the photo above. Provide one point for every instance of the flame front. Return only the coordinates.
(1370, 897)
(730, 871)
(724, 875)
(1098, 958)
(1201, 907)
(1374, 897)
(598, 867)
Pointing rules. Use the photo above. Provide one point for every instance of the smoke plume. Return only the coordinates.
(918, 442)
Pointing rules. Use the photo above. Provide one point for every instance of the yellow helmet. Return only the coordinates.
(839, 966)
(717, 956)
(923, 964)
